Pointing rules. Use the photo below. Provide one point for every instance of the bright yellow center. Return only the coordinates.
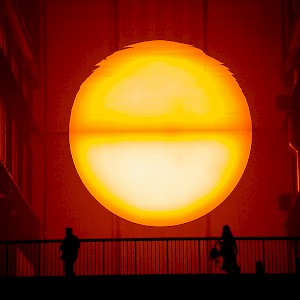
(160, 133)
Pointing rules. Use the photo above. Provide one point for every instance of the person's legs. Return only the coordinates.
(235, 266)
(69, 271)
(72, 263)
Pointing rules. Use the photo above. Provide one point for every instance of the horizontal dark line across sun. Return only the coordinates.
(160, 131)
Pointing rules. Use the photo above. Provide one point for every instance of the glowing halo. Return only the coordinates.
(160, 133)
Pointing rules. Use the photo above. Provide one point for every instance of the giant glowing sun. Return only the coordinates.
(160, 133)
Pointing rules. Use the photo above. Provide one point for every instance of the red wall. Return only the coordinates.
(244, 35)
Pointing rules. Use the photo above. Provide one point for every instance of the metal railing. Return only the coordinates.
(140, 256)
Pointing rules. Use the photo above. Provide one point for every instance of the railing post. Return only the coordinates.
(297, 258)
(199, 258)
(6, 265)
(263, 253)
(135, 262)
(167, 257)
(39, 259)
(103, 260)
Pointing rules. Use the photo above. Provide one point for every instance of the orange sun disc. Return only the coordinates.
(160, 133)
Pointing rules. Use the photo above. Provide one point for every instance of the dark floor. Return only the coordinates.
(156, 283)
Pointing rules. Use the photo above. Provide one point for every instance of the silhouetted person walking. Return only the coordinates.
(228, 251)
(69, 248)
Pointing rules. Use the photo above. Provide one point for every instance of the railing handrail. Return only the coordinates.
(260, 238)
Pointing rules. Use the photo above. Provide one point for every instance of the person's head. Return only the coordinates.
(69, 231)
(226, 230)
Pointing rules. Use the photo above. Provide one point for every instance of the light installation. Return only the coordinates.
(160, 133)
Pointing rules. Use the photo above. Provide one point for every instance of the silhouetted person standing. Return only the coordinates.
(69, 248)
(228, 251)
